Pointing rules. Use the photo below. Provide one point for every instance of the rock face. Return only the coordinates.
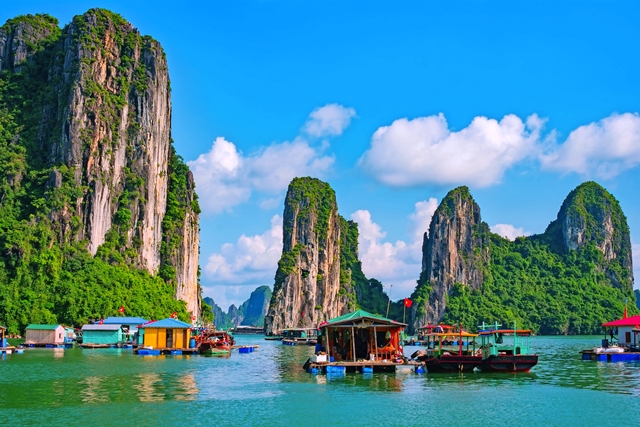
(591, 215)
(307, 287)
(255, 308)
(454, 251)
(105, 127)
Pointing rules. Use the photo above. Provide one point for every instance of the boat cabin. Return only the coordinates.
(493, 342)
(295, 336)
(622, 331)
(101, 334)
(45, 335)
(166, 334)
(361, 335)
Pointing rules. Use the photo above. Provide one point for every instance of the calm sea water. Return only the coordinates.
(269, 388)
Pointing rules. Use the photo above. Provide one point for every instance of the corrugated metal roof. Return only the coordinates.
(98, 327)
(124, 320)
(362, 314)
(43, 327)
(168, 323)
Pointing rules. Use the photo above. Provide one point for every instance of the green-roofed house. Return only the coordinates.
(45, 335)
(360, 335)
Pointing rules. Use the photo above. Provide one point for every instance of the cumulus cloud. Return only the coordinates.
(508, 231)
(398, 263)
(330, 120)
(426, 151)
(225, 177)
(602, 149)
(252, 260)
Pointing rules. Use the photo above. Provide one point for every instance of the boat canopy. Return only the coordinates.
(628, 321)
(505, 331)
(361, 318)
(453, 334)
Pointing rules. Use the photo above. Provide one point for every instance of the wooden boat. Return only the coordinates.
(273, 337)
(300, 336)
(216, 343)
(498, 356)
(447, 360)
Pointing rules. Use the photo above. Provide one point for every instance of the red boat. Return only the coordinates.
(442, 359)
(498, 356)
(216, 343)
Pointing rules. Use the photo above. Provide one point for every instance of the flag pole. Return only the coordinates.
(389, 301)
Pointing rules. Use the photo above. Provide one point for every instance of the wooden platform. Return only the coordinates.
(88, 345)
(359, 366)
(172, 351)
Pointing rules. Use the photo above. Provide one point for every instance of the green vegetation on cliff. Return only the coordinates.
(551, 288)
(47, 276)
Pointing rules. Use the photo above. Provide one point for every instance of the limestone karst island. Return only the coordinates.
(138, 284)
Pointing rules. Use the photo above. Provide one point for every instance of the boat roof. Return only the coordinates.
(114, 320)
(450, 334)
(168, 323)
(99, 327)
(505, 331)
(43, 327)
(357, 315)
(442, 325)
(628, 321)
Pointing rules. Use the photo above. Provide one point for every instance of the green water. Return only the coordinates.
(269, 388)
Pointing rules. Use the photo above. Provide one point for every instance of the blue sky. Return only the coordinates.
(394, 104)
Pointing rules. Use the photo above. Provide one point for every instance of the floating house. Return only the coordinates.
(625, 330)
(129, 326)
(101, 335)
(166, 336)
(45, 335)
(360, 341)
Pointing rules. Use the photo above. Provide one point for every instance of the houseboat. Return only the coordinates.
(100, 335)
(166, 336)
(248, 330)
(442, 357)
(620, 342)
(49, 336)
(511, 355)
(359, 342)
(5, 348)
(300, 336)
(129, 327)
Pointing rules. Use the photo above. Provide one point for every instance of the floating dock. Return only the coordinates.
(610, 357)
(171, 351)
(366, 366)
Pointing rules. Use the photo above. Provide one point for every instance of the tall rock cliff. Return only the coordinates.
(568, 280)
(255, 308)
(97, 120)
(307, 287)
(456, 250)
(591, 215)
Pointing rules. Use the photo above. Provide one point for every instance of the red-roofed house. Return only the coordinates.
(626, 326)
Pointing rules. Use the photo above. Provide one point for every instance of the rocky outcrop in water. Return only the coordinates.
(103, 115)
(455, 250)
(308, 288)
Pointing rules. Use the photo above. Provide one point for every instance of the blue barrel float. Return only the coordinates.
(192, 343)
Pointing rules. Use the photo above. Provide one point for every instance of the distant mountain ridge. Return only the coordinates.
(250, 313)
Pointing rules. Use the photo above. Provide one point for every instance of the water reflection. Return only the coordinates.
(91, 390)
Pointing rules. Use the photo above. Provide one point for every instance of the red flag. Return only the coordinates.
(101, 322)
(408, 302)
(121, 309)
(174, 315)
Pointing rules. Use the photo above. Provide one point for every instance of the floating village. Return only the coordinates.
(356, 342)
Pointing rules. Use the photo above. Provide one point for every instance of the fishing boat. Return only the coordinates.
(501, 356)
(300, 336)
(273, 337)
(216, 343)
(443, 359)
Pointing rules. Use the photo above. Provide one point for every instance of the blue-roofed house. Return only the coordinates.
(166, 334)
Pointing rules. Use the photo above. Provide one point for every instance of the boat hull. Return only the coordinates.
(452, 363)
(509, 363)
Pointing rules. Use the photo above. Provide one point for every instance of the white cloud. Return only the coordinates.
(329, 120)
(602, 149)
(252, 260)
(396, 263)
(508, 231)
(425, 150)
(225, 178)
(635, 251)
